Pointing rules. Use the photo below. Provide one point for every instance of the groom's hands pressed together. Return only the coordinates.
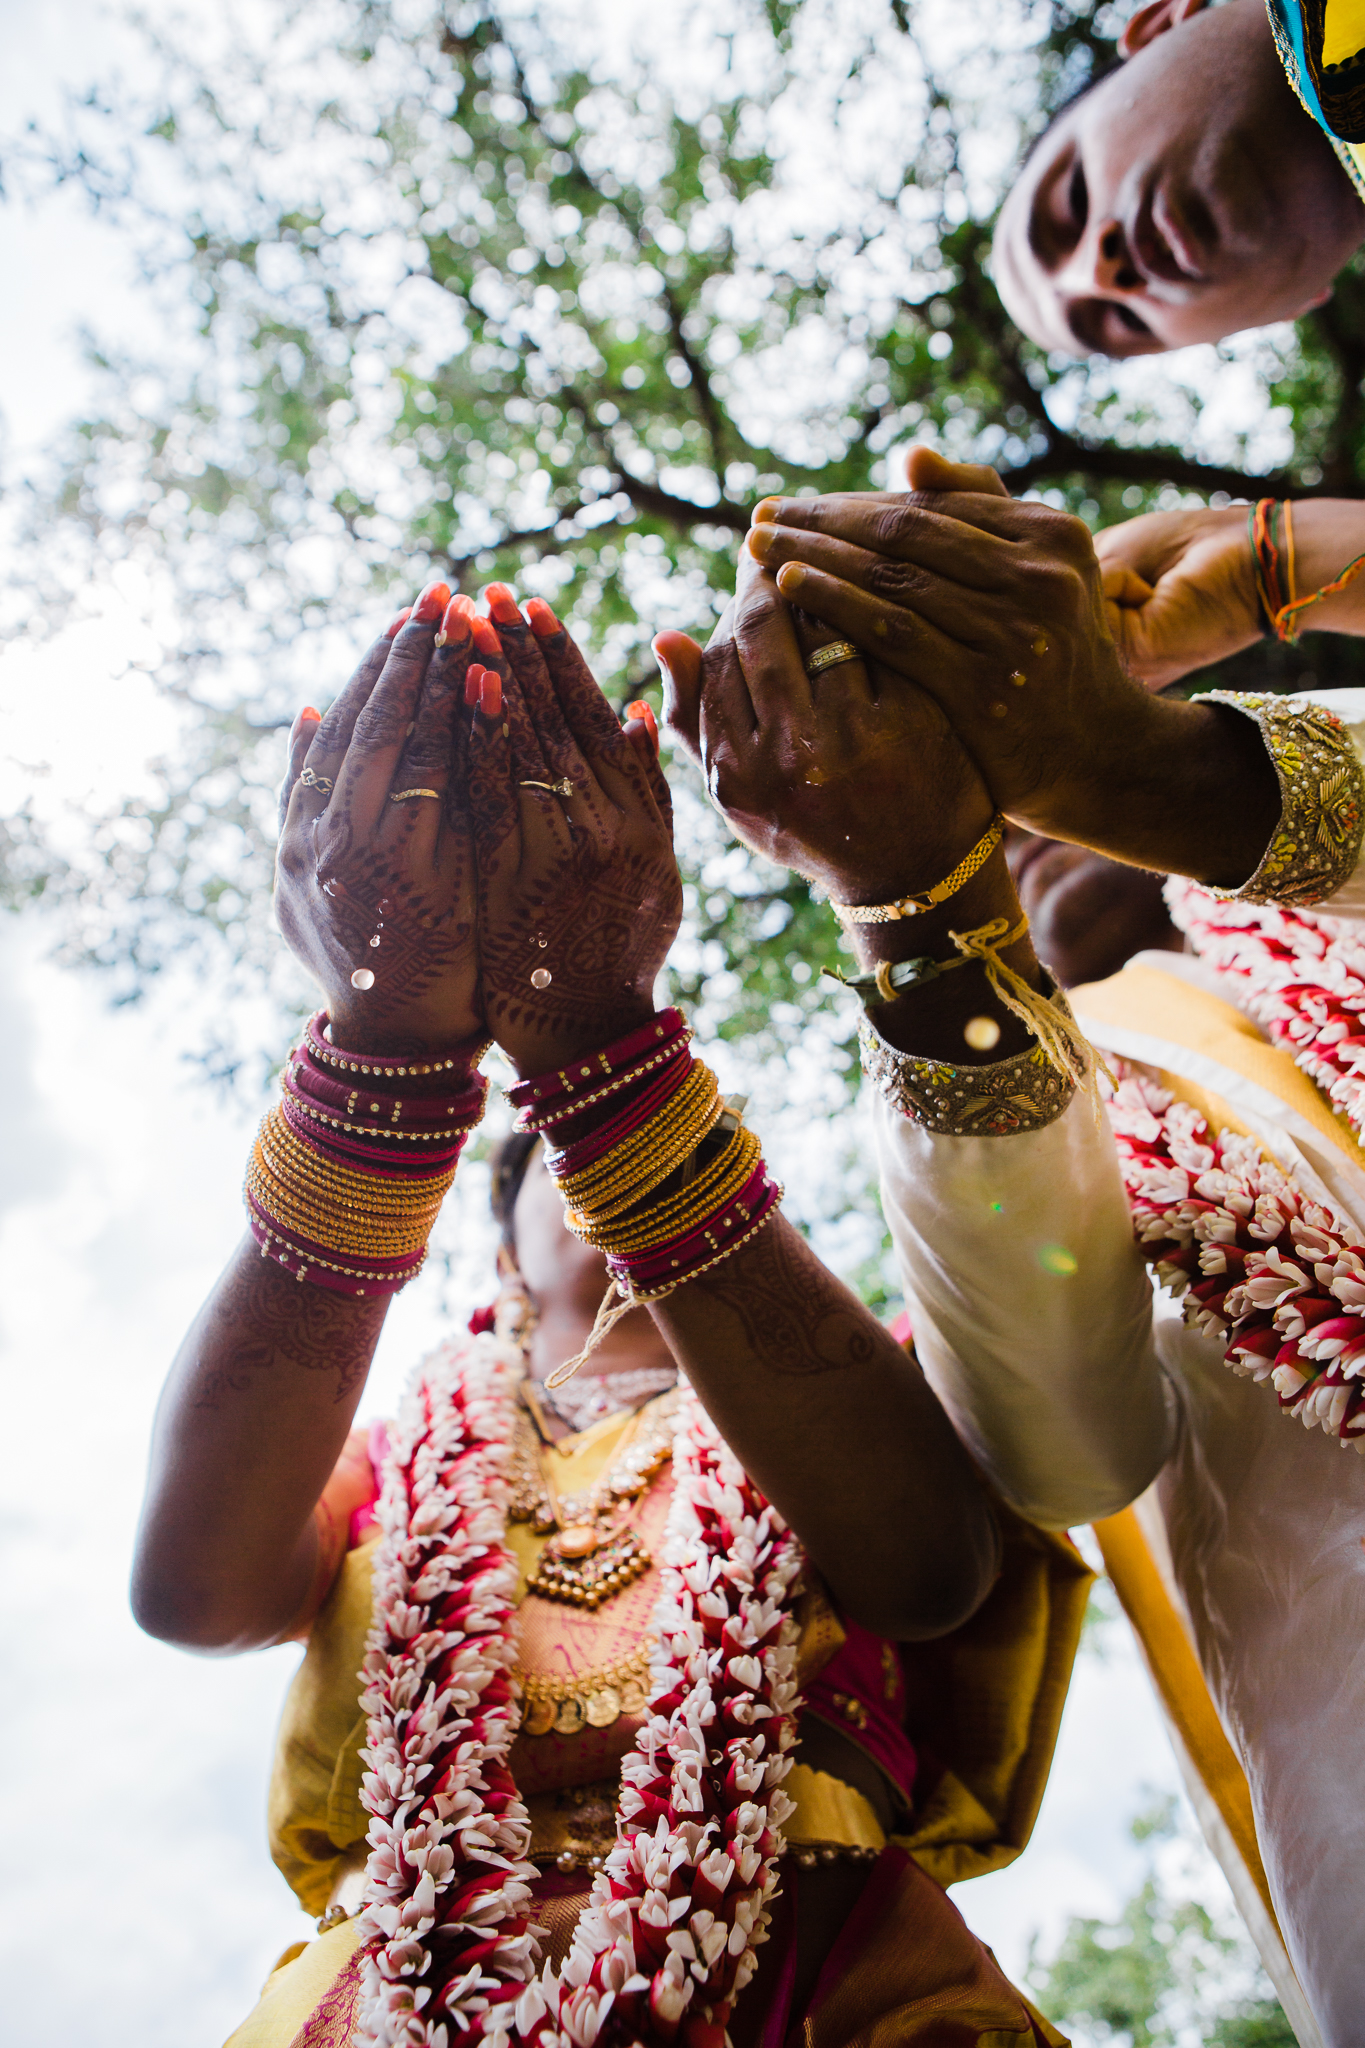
(855, 779)
(996, 609)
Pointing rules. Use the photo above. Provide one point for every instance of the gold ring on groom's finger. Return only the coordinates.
(561, 788)
(401, 796)
(828, 657)
(307, 780)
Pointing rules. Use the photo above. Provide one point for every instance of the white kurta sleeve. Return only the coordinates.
(1030, 1305)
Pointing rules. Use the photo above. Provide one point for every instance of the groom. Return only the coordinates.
(1209, 181)
(1034, 1317)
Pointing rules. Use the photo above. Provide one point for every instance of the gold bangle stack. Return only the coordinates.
(623, 1176)
(677, 1215)
(328, 1204)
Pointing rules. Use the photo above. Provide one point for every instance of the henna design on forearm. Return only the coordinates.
(259, 1319)
(794, 1314)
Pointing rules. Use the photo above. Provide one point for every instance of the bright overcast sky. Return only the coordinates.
(144, 1912)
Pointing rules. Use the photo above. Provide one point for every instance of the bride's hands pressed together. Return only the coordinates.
(579, 893)
(364, 857)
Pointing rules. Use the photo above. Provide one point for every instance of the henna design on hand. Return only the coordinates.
(585, 887)
(353, 866)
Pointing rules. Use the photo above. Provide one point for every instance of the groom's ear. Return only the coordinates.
(1156, 20)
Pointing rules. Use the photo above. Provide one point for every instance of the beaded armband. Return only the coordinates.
(1315, 847)
(1023, 1093)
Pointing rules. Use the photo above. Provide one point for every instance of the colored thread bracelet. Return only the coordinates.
(1282, 609)
(890, 979)
(920, 901)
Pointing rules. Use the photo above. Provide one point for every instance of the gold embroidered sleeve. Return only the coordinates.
(1314, 849)
(1023, 1093)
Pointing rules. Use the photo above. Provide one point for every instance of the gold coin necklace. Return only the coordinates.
(594, 1551)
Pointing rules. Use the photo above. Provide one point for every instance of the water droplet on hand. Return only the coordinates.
(541, 978)
(375, 940)
(362, 978)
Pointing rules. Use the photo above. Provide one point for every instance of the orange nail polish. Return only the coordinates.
(543, 621)
(431, 603)
(455, 624)
(502, 605)
(639, 709)
(490, 694)
(485, 635)
(308, 713)
(473, 683)
(399, 622)
(464, 605)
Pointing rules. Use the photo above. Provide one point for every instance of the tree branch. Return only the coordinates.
(1106, 463)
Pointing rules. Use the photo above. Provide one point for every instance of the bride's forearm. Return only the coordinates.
(838, 1426)
(251, 1422)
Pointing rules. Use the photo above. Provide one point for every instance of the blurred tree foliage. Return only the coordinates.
(553, 295)
(1164, 1973)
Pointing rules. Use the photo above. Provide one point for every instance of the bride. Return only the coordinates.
(651, 1646)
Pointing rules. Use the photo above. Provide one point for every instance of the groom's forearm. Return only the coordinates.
(932, 1019)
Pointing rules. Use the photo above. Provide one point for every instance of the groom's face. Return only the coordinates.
(1152, 214)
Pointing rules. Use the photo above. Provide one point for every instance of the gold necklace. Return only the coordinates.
(594, 1552)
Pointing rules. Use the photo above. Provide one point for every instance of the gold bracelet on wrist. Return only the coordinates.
(921, 900)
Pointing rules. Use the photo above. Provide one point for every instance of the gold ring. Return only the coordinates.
(561, 788)
(828, 657)
(307, 780)
(400, 796)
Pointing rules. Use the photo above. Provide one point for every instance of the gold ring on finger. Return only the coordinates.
(829, 657)
(561, 788)
(402, 796)
(307, 780)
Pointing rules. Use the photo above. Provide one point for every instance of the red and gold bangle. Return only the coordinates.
(343, 1202)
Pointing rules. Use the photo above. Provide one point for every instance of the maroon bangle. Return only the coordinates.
(587, 1074)
(655, 1090)
(396, 1068)
(339, 1109)
(358, 1099)
(667, 1266)
(307, 1261)
(368, 1158)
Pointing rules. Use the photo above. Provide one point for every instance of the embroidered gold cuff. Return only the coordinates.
(1023, 1093)
(1315, 847)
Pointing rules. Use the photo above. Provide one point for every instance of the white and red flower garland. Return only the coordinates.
(1301, 976)
(669, 1933)
(1276, 1277)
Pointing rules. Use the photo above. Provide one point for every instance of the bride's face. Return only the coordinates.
(559, 1269)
